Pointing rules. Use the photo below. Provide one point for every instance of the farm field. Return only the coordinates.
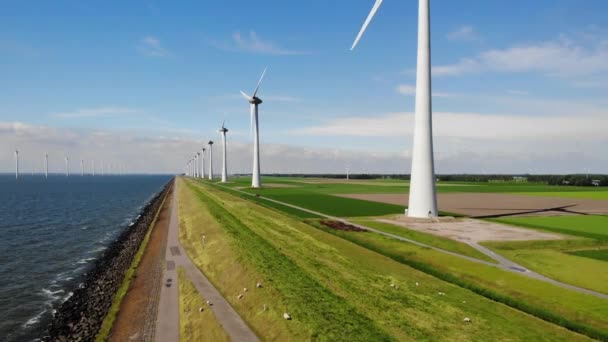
(597, 194)
(333, 288)
(588, 226)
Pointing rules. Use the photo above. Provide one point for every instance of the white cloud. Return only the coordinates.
(150, 46)
(410, 90)
(473, 126)
(406, 89)
(564, 57)
(464, 33)
(253, 43)
(97, 112)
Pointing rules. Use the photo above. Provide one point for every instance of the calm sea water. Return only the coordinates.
(51, 231)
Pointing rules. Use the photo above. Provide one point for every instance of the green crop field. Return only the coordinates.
(334, 289)
(599, 194)
(589, 226)
(597, 254)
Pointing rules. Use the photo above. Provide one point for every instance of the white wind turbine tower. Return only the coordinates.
(223, 132)
(46, 165)
(82, 167)
(423, 197)
(92, 167)
(16, 164)
(256, 181)
(210, 160)
(196, 165)
(203, 149)
(67, 166)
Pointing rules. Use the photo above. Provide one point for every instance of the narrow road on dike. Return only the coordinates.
(503, 263)
(167, 323)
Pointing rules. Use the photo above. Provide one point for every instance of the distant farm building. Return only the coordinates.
(519, 179)
(596, 182)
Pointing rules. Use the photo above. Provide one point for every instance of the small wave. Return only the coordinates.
(35, 319)
(52, 294)
(98, 249)
(84, 260)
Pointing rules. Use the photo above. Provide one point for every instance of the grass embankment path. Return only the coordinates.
(334, 289)
(168, 321)
(194, 324)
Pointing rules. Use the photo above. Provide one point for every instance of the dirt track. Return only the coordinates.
(495, 205)
(137, 315)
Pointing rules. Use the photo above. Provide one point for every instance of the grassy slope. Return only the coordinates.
(594, 227)
(429, 239)
(578, 311)
(193, 324)
(222, 263)
(362, 278)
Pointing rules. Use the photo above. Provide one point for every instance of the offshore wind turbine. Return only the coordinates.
(67, 166)
(82, 167)
(255, 101)
(46, 165)
(210, 159)
(423, 196)
(16, 164)
(93, 167)
(223, 132)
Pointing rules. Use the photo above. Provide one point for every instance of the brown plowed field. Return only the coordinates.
(496, 205)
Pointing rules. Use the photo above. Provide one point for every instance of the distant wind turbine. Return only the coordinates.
(210, 159)
(423, 197)
(67, 166)
(46, 165)
(203, 149)
(82, 167)
(223, 132)
(16, 164)
(196, 168)
(255, 101)
(93, 167)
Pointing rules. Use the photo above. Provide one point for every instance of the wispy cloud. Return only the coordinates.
(97, 112)
(410, 90)
(464, 33)
(470, 126)
(150, 46)
(253, 43)
(563, 57)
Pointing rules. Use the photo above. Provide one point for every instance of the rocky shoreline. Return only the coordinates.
(81, 316)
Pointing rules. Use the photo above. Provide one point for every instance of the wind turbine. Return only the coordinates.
(223, 132)
(67, 166)
(423, 196)
(92, 167)
(210, 159)
(81, 167)
(16, 164)
(203, 149)
(46, 165)
(255, 101)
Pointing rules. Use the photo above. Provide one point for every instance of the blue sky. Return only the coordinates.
(507, 75)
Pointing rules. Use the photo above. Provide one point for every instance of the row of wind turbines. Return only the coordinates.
(119, 169)
(423, 196)
(195, 167)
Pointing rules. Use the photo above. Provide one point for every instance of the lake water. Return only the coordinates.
(51, 231)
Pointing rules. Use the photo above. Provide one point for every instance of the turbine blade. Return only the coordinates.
(259, 82)
(245, 95)
(366, 23)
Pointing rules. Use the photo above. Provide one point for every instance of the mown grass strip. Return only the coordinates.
(329, 317)
(196, 325)
(541, 313)
(583, 226)
(108, 321)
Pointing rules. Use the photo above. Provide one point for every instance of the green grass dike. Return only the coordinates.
(338, 287)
